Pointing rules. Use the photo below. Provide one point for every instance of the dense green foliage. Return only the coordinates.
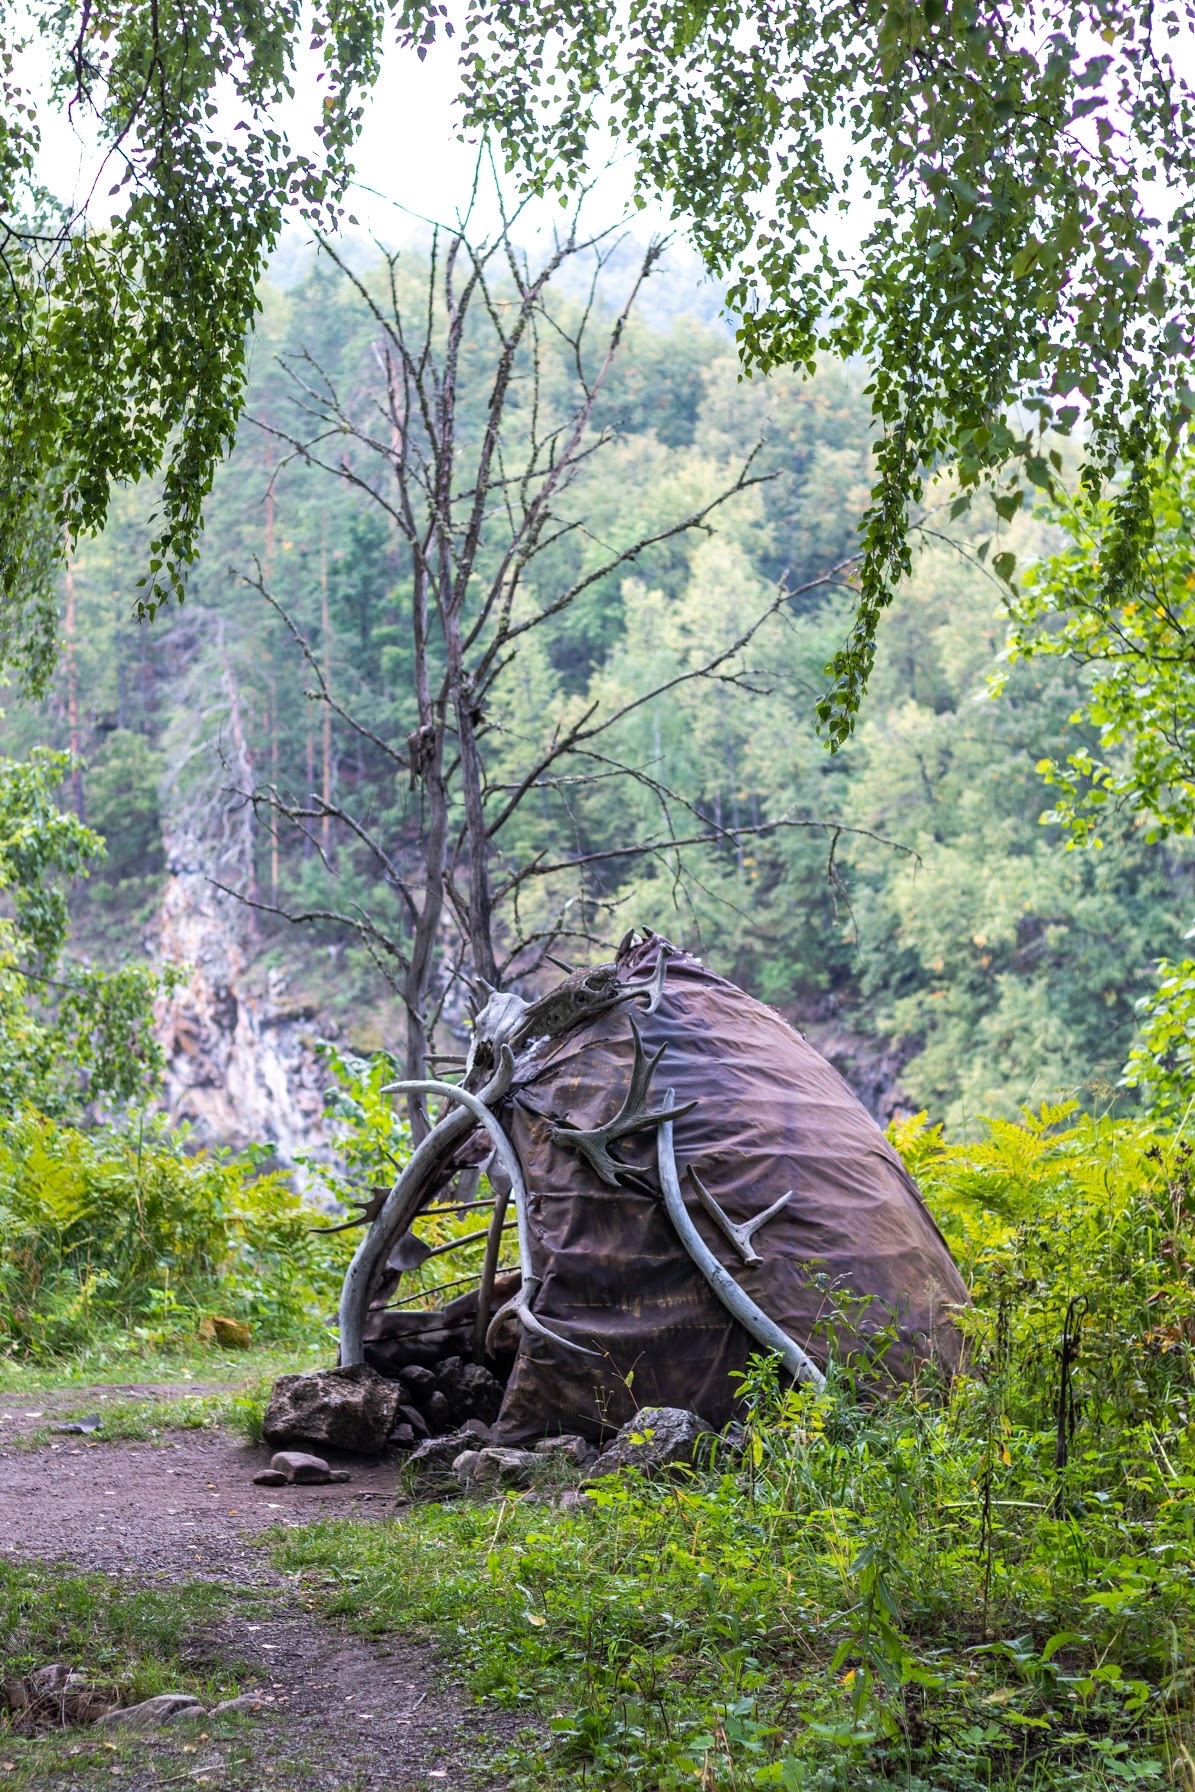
(961, 941)
(1010, 264)
(121, 1239)
(122, 345)
(1137, 639)
(68, 1034)
(908, 1590)
(1005, 152)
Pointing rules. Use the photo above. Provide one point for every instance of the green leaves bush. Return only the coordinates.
(121, 1234)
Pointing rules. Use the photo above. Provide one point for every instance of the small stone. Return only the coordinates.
(566, 1448)
(151, 1714)
(270, 1477)
(504, 1468)
(421, 1382)
(301, 1470)
(52, 1678)
(352, 1408)
(415, 1420)
(438, 1413)
(402, 1437)
(437, 1452)
(246, 1701)
(464, 1465)
(657, 1437)
(428, 1469)
(478, 1428)
(572, 1498)
(481, 1393)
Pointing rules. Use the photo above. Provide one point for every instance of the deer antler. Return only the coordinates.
(633, 1116)
(739, 1236)
(737, 1302)
(520, 1306)
(652, 987)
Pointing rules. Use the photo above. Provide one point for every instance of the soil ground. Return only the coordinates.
(340, 1713)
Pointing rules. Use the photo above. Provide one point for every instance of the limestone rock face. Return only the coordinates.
(657, 1437)
(350, 1409)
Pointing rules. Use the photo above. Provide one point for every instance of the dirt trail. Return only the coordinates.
(341, 1714)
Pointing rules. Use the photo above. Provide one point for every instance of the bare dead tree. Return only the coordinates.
(460, 434)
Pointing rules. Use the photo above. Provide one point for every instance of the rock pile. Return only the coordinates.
(57, 1695)
(437, 1402)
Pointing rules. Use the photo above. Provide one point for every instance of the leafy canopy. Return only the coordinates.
(1014, 278)
(1013, 271)
(122, 345)
(1136, 643)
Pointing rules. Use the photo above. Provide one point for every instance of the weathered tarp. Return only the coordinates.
(855, 1253)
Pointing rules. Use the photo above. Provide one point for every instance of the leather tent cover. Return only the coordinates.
(855, 1253)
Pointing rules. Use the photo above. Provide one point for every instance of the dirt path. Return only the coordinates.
(341, 1714)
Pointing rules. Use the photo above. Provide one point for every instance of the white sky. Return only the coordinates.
(411, 163)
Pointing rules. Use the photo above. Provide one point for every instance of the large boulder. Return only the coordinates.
(350, 1409)
(657, 1437)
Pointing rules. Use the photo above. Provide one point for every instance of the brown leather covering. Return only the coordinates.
(855, 1253)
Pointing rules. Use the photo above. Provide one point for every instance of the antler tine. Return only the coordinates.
(740, 1236)
(633, 1116)
(737, 1302)
(652, 987)
(520, 1306)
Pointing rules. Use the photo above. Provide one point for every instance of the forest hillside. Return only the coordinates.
(900, 900)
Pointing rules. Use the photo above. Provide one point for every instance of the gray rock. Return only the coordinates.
(427, 1471)
(477, 1428)
(301, 1470)
(481, 1393)
(421, 1382)
(464, 1465)
(151, 1714)
(566, 1448)
(504, 1468)
(345, 1409)
(657, 1437)
(438, 1414)
(269, 1477)
(52, 1678)
(470, 1390)
(402, 1437)
(412, 1417)
(246, 1701)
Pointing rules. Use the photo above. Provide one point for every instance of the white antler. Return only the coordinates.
(738, 1304)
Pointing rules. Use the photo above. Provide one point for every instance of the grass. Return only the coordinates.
(826, 1616)
(963, 1589)
(112, 1363)
(147, 1421)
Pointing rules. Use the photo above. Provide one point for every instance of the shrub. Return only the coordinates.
(109, 1230)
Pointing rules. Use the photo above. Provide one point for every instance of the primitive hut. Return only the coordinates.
(691, 1182)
